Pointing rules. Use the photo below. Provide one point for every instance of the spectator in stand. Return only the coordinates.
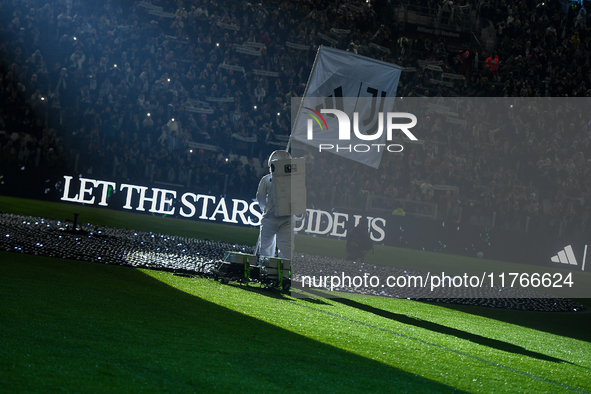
(427, 190)
(493, 62)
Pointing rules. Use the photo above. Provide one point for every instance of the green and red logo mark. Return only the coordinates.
(316, 118)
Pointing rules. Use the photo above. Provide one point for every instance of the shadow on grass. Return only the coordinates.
(115, 329)
(439, 328)
(264, 291)
(274, 293)
(575, 325)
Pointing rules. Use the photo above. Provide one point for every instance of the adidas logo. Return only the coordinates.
(566, 256)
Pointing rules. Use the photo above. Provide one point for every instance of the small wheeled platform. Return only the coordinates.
(274, 273)
(277, 271)
(237, 267)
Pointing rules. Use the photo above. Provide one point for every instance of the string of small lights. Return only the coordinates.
(199, 257)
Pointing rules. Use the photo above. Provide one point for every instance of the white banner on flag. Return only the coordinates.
(352, 84)
(257, 45)
(327, 38)
(247, 50)
(197, 145)
(229, 26)
(245, 139)
(299, 47)
(232, 67)
(266, 73)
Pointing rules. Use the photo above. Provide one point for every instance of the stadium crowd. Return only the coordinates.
(198, 93)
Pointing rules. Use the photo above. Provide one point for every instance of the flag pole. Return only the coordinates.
(302, 98)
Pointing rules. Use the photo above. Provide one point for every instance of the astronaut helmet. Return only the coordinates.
(278, 155)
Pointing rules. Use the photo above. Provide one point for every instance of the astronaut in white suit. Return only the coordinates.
(276, 231)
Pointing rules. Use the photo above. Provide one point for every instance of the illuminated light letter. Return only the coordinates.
(104, 192)
(221, 208)
(368, 137)
(302, 224)
(337, 224)
(153, 199)
(84, 190)
(169, 201)
(364, 146)
(317, 222)
(130, 189)
(344, 123)
(369, 219)
(67, 190)
(379, 146)
(344, 148)
(403, 127)
(357, 219)
(311, 214)
(256, 213)
(206, 199)
(325, 146)
(381, 231)
(186, 203)
(241, 212)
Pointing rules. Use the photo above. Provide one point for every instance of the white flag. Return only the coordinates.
(352, 84)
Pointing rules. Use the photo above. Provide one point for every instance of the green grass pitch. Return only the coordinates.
(83, 327)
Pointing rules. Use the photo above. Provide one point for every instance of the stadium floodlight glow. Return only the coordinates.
(255, 107)
(172, 120)
(114, 65)
(278, 114)
(75, 38)
(148, 114)
(217, 44)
